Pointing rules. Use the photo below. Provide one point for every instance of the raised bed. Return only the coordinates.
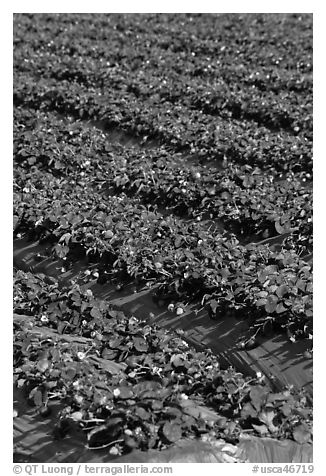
(35, 441)
(281, 361)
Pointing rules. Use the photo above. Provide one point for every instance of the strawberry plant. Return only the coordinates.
(137, 386)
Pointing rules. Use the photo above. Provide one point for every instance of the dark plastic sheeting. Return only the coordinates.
(281, 361)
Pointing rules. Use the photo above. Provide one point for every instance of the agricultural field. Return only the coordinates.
(163, 237)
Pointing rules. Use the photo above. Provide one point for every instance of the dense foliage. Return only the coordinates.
(133, 385)
(189, 262)
(243, 199)
(239, 87)
(174, 152)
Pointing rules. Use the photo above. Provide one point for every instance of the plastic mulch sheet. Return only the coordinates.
(278, 359)
(34, 443)
(33, 438)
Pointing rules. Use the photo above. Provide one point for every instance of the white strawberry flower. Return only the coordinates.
(103, 400)
(79, 399)
(114, 451)
(157, 370)
(39, 221)
(77, 416)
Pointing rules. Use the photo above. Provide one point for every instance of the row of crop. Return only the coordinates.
(246, 201)
(181, 128)
(151, 400)
(222, 98)
(187, 260)
(265, 78)
(218, 43)
(168, 77)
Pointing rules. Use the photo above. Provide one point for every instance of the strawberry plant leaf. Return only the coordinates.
(140, 344)
(172, 432)
(280, 308)
(96, 313)
(271, 304)
(301, 434)
(282, 290)
(38, 398)
(257, 396)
